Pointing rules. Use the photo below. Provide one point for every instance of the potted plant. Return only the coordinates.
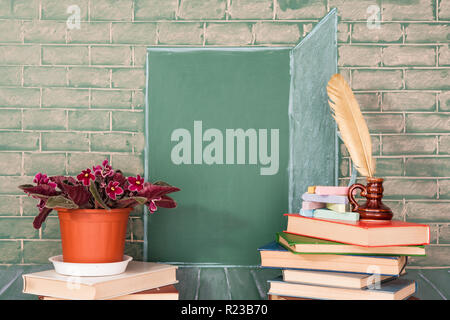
(93, 209)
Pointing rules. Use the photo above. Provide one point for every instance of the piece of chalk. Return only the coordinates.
(333, 215)
(338, 207)
(324, 198)
(312, 189)
(307, 213)
(308, 205)
(330, 190)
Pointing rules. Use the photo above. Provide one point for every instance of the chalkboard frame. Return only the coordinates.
(332, 15)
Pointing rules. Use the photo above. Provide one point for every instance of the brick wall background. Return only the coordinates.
(70, 98)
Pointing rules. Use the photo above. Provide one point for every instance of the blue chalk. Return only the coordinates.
(307, 213)
(324, 198)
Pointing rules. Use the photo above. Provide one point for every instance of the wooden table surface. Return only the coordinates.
(226, 283)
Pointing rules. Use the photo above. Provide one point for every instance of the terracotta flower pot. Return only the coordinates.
(93, 235)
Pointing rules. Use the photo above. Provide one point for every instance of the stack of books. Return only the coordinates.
(140, 281)
(328, 258)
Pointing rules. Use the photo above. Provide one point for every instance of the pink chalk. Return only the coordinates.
(329, 190)
(310, 205)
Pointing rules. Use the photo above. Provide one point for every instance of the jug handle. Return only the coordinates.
(353, 202)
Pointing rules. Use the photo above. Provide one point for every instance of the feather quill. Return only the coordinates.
(351, 123)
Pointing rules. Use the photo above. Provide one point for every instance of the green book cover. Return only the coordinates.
(293, 239)
(289, 241)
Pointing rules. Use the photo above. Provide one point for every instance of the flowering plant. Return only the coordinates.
(101, 187)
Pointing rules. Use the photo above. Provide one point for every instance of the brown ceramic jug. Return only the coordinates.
(373, 209)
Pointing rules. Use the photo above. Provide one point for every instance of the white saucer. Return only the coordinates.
(89, 269)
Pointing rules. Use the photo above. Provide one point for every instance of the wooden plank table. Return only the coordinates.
(229, 283)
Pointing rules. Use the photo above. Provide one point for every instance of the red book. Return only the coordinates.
(360, 233)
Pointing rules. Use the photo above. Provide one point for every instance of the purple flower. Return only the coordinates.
(107, 171)
(152, 206)
(113, 189)
(86, 176)
(41, 178)
(135, 184)
(97, 170)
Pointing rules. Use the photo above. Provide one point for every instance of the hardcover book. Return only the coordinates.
(302, 244)
(360, 233)
(334, 279)
(398, 289)
(139, 276)
(162, 293)
(274, 255)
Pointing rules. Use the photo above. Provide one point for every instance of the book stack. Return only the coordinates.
(140, 281)
(323, 257)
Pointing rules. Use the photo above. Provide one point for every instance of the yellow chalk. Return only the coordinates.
(312, 189)
(338, 207)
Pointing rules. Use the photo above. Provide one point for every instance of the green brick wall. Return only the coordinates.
(70, 98)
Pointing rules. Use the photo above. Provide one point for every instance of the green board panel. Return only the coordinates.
(219, 126)
(225, 210)
(312, 128)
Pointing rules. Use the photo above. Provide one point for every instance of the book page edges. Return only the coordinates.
(294, 224)
(59, 289)
(135, 268)
(355, 235)
(323, 292)
(168, 292)
(390, 270)
(353, 249)
(408, 238)
(136, 284)
(70, 288)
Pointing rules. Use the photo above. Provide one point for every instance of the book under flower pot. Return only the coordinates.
(93, 235)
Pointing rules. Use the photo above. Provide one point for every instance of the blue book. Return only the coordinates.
(273, 255)
(398, 289)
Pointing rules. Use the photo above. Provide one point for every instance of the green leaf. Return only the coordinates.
(41, 191)
(131, 202)
(96, 195)
(25, 186)
(140, 200)
(60, 202)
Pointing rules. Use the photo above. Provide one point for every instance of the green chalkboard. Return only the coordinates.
(219, 126)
